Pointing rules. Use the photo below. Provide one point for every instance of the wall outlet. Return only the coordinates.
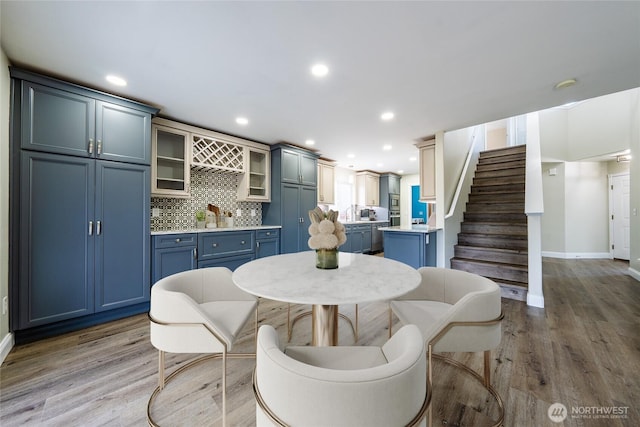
(5, 305)
(238, 212)
(253, 212)
(155, 212)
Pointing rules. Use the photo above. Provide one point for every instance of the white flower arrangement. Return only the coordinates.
(325, 230)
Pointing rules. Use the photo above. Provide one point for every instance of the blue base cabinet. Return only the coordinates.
(173, 253)
(412, 248)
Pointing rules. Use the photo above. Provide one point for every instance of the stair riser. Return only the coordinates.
(492, 242)
(499, 229)
(502, 159)
(500, 173)
(498, 272)
(496, 197)
(485, 254)
(515, 207)
(482, 167)
(483, 216)
(477, 189)
(498, 180)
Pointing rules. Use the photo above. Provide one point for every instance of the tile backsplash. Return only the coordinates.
(220, 189)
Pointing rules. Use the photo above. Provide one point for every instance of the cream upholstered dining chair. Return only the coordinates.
(198, 311)
(342, 385)
(456, 311)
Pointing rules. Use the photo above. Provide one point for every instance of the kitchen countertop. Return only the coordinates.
(377, 221)
(214, 230)
(410, 228)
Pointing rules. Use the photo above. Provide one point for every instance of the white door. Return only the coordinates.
(620, 216)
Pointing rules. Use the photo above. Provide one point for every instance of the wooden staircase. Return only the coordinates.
(493, 238)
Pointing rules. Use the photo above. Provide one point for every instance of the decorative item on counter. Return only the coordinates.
(228, 219)
(327, 234)
(200, 219)
(212, 213)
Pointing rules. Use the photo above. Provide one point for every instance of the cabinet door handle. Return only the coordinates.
(178, 240)
(242, 242)
(99, 147)
(90, 146)
(98, 228)
(257, 244)
(215, 245)
(195, 253)
(90, 228)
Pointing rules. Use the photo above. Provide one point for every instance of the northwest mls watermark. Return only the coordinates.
(558, 412)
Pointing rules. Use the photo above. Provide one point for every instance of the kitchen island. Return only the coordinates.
(413, 245)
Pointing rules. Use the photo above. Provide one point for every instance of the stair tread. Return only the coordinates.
(509, 283)
(516, 237)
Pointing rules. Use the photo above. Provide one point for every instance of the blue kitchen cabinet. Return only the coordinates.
(61, 118)
(56, 242)
(359, 238)
(173, 253)
(267, 242)
(231, 262)
(416, 249)
(226, 248)
(299, 167)
(85, 247)
(291, 198)
(81, 212)
(123, 258)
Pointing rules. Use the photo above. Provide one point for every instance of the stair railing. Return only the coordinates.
(463, 174)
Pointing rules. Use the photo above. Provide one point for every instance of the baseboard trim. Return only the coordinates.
(5, 346)
(634, 273)
(577, 255)
(535, 300)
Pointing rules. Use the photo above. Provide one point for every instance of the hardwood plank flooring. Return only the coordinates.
(582, 350)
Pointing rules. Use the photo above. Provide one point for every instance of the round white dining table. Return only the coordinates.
(294, 278)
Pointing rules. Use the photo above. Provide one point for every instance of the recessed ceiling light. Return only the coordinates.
(386, 147)
(310, 142)
(242, 121)
(115, 80)
(380, 165)
(319, 70)
(412, 159)
(351, 156)
(387, 115)
(565, 83)
(401, 171)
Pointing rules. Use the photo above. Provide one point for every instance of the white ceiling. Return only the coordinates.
(437, 65)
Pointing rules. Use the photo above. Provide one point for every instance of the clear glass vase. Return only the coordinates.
(327, 258)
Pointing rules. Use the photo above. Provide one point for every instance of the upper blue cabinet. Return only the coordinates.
(55, 118)
(298, 167)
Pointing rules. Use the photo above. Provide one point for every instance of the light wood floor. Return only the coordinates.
(582, 350)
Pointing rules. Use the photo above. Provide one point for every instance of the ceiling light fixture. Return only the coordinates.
(387, 147)
(565, 83)
(386, 116)
(310, 142)
(115, 80)
(351, 156)
(413, 159)
(401, 171)
(242, 121)
(319, 70)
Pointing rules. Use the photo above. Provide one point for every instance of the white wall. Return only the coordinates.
(634, 174)
(553, 219)
(554, 134)
(5, 337)
(586, 209)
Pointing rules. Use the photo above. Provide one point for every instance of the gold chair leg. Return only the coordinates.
(356, 330)
(429, 380)
(224, 387)
(161, 369)
(487, 368)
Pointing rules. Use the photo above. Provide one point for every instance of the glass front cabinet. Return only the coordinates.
(170, 166)
(254, 183)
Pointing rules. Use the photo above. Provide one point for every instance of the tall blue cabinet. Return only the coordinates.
(294, 181)
(79, 206)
